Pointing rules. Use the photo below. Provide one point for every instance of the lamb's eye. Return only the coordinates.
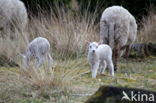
(96, 46)
(90, 46)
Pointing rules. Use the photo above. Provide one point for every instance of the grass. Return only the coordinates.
(147, 31)
(15, 88)
(67, 33)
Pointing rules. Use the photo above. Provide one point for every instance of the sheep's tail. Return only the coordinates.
(111, 35)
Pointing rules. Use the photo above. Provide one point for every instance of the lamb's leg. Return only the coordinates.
(103, 67)
(39, 61)
(50, 61)
(110, 66)
(94, 69)
(26, 62)
(100, 67)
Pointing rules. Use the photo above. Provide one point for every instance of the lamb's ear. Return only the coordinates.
(87, 43)
(100, 43)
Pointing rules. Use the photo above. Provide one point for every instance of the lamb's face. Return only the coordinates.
(93, 47)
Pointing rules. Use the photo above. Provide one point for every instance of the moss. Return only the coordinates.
(109, 94)
(98, 93)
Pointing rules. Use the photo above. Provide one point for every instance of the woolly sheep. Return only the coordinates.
(118, 29)
(13, 17)
(38, 49)
(99, 57)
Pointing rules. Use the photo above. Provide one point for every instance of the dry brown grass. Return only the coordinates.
(67, 33)
(147, 33)
(55, 78)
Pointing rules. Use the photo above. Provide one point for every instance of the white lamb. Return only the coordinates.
(13, 18)
(38, 49)
(99, 57)
(118, 29)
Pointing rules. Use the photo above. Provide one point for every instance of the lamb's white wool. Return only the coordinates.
(117, 28)
(99, 56)
(13, 17)
(38, 49)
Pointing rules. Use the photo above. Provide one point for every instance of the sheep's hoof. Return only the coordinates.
(115, 69)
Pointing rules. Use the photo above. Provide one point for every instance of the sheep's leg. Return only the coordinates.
(50, 61)
(127, 51)
(94, 69)
(115, 57)
(114, 52)
(110, 66)
(103, 67)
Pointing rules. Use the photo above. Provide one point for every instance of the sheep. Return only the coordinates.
(99, 57)
(13, 18)
(118, 29)
(38, 49)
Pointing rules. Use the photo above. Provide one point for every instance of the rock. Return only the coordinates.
(152, 48)
(109, 94)
(6, 61)
(139, 50)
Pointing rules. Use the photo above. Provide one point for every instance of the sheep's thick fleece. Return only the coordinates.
(117, 25)
(13, 16)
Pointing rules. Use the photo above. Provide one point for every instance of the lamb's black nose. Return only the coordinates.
(93, 51)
